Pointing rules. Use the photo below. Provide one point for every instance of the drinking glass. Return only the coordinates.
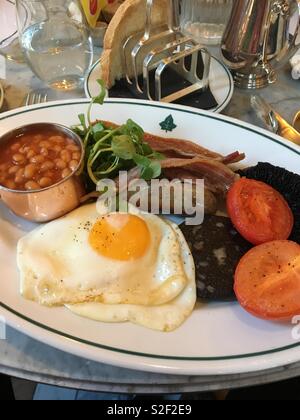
(205, 20)
(9, 42)
(56, 41)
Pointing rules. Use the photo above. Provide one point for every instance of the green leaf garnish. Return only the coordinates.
(82, 121)
(157, 156)
(97, 100)
(147, 173)
(141, 161)
(110, 150)
(134, 131)
(100, 98)
(123, 147)
(98, 131)
(147, 150)
(156, 168)
(150, 169)
(98, 128)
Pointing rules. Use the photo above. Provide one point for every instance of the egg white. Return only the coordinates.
(58, 266)
(166, 317)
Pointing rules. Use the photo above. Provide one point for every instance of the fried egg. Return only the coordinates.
(132, 258)
(166, 317)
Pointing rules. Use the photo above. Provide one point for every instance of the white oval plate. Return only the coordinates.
(220, 82)
(218, 338)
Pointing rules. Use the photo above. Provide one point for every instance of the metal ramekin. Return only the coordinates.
(51, 202)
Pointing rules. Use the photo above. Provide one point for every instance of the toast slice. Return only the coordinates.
(129, 19)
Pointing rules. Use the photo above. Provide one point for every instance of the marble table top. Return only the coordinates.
(23, 357)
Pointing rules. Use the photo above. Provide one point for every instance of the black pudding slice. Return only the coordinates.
(217, 249)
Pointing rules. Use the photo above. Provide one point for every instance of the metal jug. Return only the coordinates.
(261, 35)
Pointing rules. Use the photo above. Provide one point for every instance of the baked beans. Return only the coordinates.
(36, 161)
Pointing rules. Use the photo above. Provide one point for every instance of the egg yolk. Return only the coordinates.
(120, 237)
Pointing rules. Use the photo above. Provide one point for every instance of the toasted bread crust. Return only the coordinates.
(129, 19)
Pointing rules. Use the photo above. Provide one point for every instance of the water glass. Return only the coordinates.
(205, 20)
(9, 42)
(56, 41)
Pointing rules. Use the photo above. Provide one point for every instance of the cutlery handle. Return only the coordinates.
(265, 113)
(287, 131)
(273, 120)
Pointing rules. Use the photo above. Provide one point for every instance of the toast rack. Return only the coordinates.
(148, 55)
